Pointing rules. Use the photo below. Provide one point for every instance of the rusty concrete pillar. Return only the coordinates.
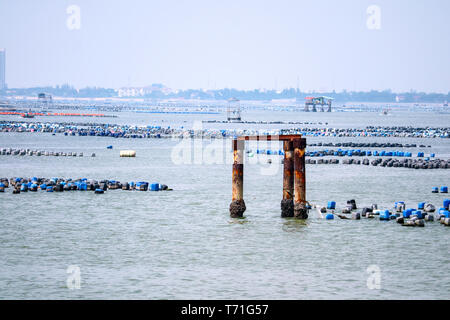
(287, 204)
(300, 210)
(237, 206)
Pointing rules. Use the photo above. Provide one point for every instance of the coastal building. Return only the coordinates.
(45, 100)
(311, 102)
(234, 110)
(143, 91)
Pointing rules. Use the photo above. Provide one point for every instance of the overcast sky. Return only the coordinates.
(243, 44)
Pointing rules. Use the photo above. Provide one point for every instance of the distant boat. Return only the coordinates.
(27, 115)
(385, 112)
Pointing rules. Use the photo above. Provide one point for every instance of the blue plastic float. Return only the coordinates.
(446, 203)
(384, 215)
(331, 205)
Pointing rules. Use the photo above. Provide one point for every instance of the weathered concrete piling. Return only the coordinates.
(294, 202)
(237, 206)
(287, 203)
(300, 210)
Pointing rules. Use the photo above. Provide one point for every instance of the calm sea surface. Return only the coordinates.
(182, 244)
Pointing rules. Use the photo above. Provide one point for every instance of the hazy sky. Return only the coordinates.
(217, 43)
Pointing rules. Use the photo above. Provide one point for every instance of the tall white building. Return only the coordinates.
(2, 69)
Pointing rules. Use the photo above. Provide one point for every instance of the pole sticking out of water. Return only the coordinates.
(300, 210)
(237, 206)
(287, 203)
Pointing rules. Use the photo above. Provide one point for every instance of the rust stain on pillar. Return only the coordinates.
(287, 204)
(238, 170)
(300, 210)
(237, 206)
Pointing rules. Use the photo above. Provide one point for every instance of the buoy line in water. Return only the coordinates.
(426, 163)
(417, 163)
(389, 162)
(348, 153)
(362, 153)
(402, 132)
(264, 122)
(425, 212)
(58, 123)
(38, 153)
(411, 217)
(18, 185)
(366, 145)
(57, 114)
(127, 131)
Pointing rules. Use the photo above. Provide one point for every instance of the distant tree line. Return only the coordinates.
(64, 90)
(224, 94)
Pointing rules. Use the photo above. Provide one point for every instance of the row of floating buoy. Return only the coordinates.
(41, 125)
(84, 133)
(410, 217)
(92, 129)
(266, 122)
(59, 114)
(370, 131)
(38, 153)
(268, 152)
(35, 184)
(395, 163)
(127, 131)
(365, 145)
(443, 189)
(321, 161)
(348, 153)
(362, 153)
(413, 163)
